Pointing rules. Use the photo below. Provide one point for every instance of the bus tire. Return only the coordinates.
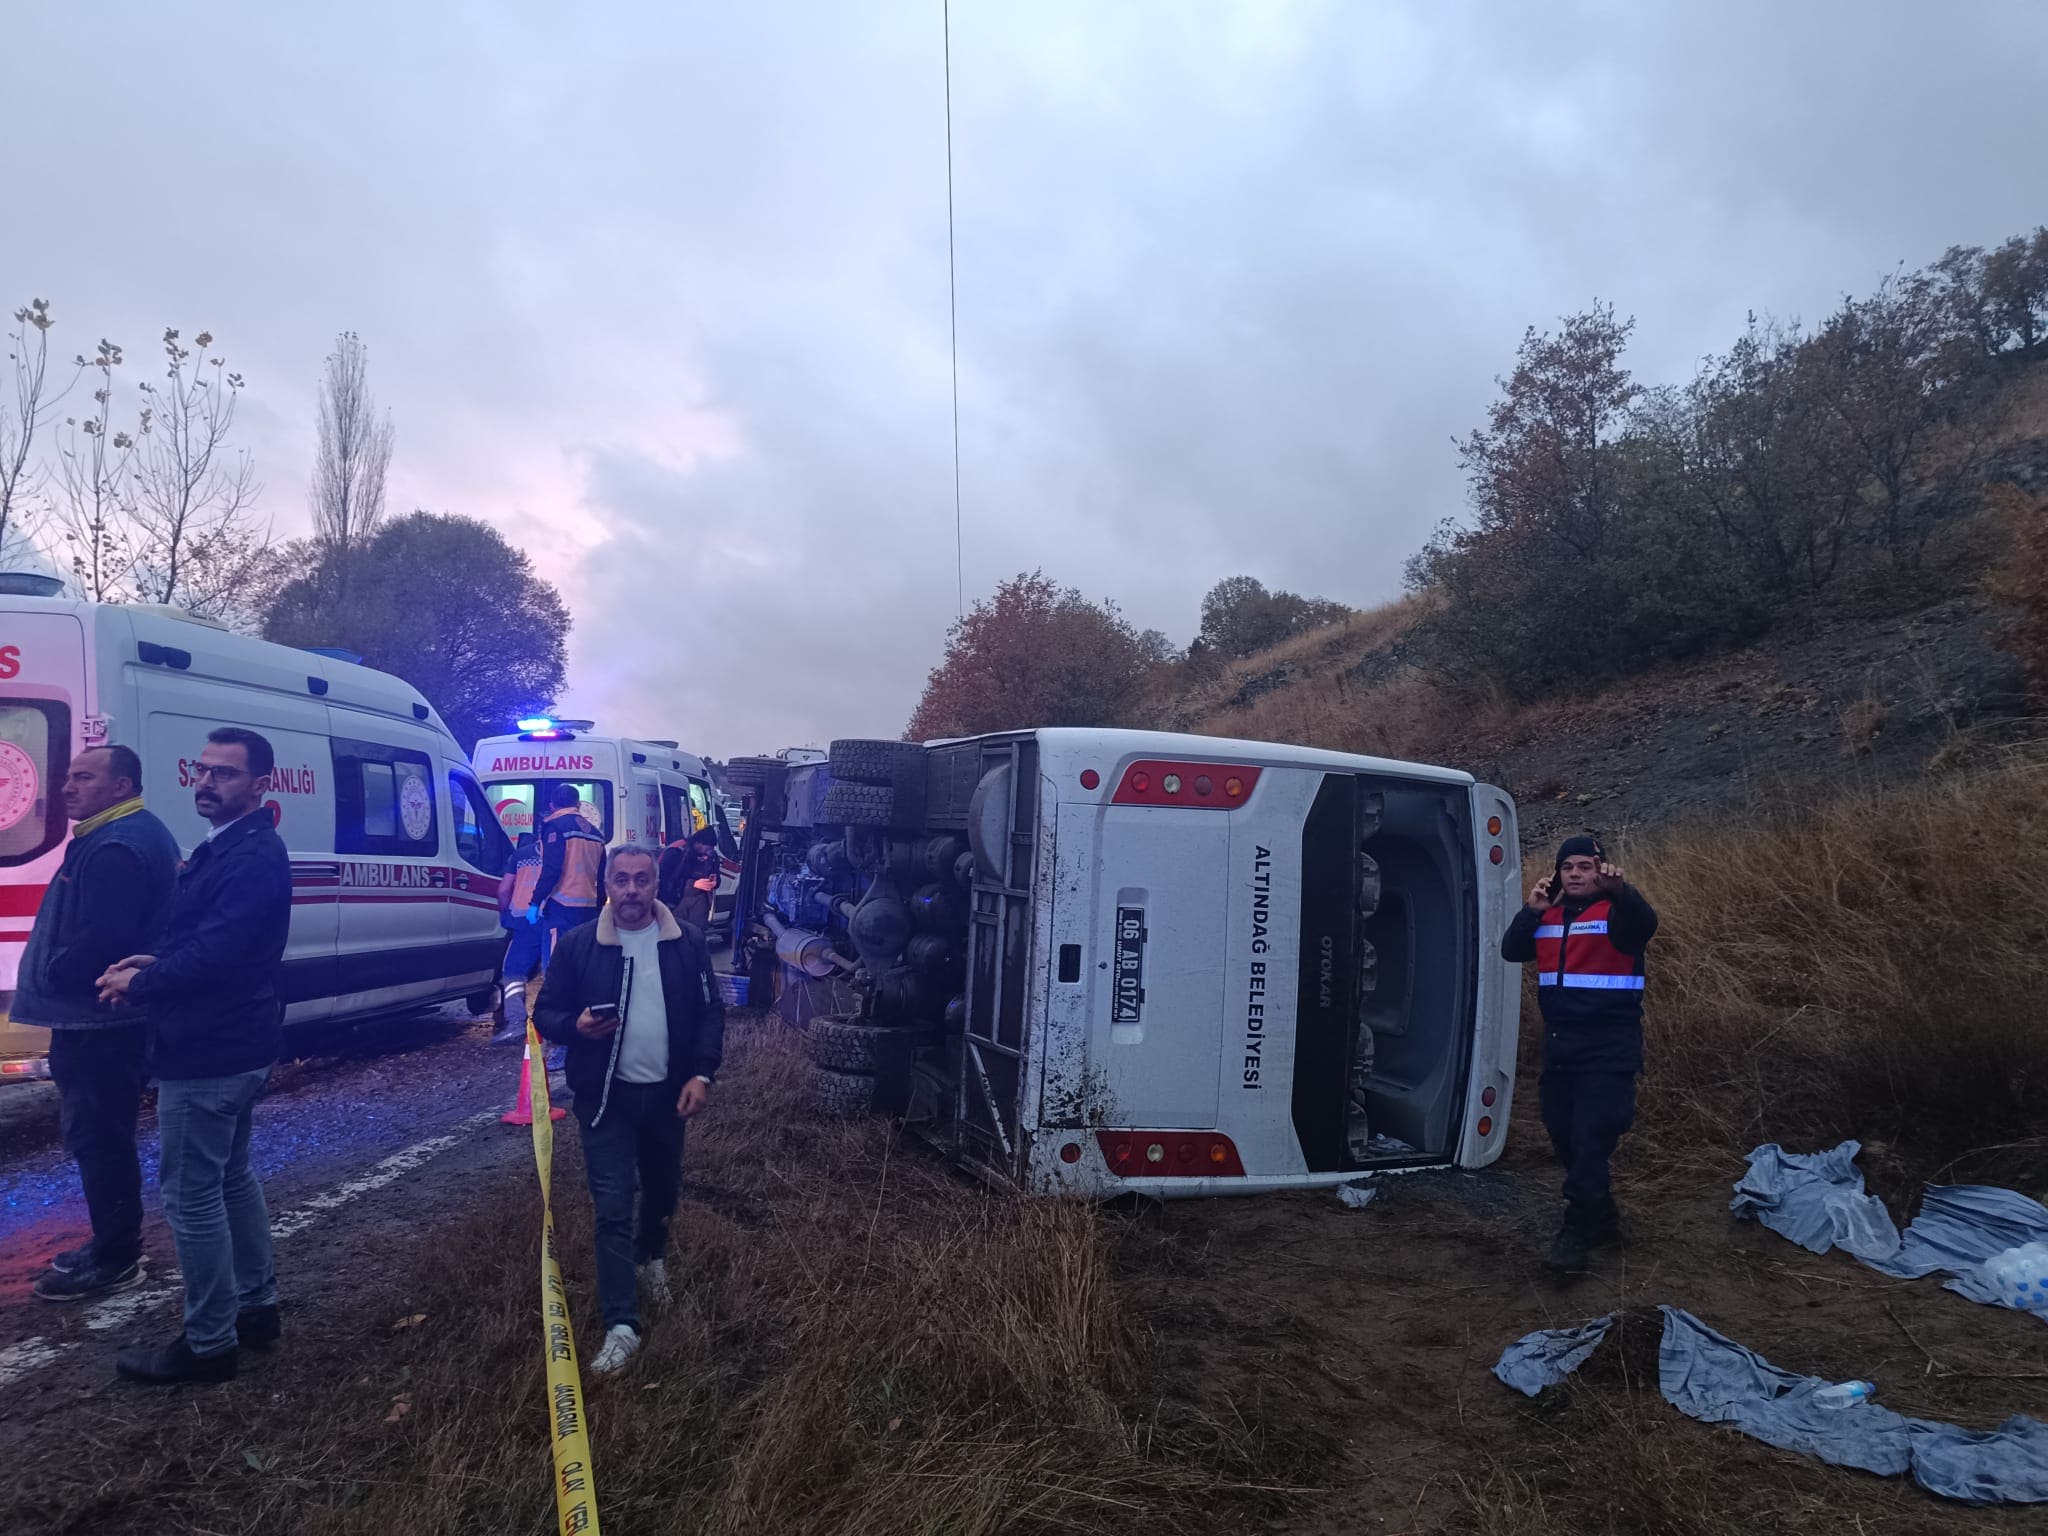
(752, 772)
(841, 1095)
(849, 1045)
(860, 761)
(869, 805)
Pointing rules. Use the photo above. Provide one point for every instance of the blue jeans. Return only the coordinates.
(214, 1203)
(557, 920)
(641, 1134)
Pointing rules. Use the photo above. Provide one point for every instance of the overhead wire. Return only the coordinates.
(953, 317)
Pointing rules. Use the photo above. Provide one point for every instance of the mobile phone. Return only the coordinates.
(604, 1010)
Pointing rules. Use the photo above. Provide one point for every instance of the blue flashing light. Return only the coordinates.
(539, 723)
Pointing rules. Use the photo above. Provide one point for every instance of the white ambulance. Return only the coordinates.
(396, 855)
(632, 791)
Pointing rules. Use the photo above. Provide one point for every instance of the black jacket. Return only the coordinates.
(212, 993)
(107, 902)
(589, 967)
(1590, 1031)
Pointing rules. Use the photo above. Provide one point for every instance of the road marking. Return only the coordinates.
(19, 1359)
(392, 1169)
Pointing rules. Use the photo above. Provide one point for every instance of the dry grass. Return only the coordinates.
(1873, 968)
(859, 1342)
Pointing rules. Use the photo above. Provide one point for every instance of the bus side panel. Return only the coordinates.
(1499, 992)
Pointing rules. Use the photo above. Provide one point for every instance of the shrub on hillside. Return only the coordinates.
(1240, 617)
(1615, 527)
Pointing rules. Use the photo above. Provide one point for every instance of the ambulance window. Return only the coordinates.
(35, 746)
(478, 838)
(700, 806)
(674, 818)
(384, 800)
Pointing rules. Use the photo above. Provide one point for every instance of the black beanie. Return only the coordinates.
(1575, 847)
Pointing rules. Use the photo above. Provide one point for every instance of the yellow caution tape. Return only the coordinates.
(575, 1482)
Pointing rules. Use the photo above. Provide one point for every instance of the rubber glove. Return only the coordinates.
(533, 914)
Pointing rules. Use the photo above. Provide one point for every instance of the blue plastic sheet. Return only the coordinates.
(1817, 1200)
(1710, 1377)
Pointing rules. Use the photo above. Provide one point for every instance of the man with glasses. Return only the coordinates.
(211, 993)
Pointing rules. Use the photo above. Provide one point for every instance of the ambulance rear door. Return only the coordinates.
(45, 708)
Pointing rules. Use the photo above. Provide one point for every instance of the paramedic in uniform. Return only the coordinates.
(571, 869)
(1586, 928)
(521, 919)
(632, 997)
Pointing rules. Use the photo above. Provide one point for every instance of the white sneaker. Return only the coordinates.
(621, 1344)
(654, 1282)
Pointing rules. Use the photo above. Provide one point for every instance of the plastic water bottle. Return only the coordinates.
(2020, 1276)
(1846, 1394)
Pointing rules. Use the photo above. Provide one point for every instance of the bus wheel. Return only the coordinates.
(847, 1045)
(856, 761)
(841, 1095)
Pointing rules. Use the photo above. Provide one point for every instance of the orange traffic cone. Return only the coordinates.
(521, 1113)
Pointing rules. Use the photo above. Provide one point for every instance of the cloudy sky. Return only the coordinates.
(660, 289)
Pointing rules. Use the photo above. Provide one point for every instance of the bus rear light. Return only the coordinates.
(1090, 779)
(1486, 1125)
(1169, 1154)
(1487, 1096)
(1497, 856)
(1071, 1152)
(1493, 826)
(1190, 784)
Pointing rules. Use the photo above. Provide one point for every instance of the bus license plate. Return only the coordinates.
(1130, 966)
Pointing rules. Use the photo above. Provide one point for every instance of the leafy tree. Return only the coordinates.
(1240, 617)
(1036, 654)
(445, 603)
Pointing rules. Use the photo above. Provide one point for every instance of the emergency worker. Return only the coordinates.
(571, 883)
(520, 917)
(689, 876)
(1586, 928)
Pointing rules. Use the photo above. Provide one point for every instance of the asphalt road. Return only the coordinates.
(377, 1136)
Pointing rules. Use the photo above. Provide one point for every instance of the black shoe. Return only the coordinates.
(258, 1327)
(1570, 1252)
(174, 1363)
(71, 1260)
(88, 1282)
(1603, 1223)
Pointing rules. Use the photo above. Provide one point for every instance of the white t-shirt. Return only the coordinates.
(643, 1054)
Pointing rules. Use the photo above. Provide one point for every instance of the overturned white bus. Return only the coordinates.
(1100, 961)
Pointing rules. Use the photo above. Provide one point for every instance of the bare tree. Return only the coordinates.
(95, 467)
(22, 479)
(196, 532)
(355, 450)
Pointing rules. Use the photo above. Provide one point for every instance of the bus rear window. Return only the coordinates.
(514, 801)
(35, 749)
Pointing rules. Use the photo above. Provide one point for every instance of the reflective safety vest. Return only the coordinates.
(1579, 955)
(525, 876)
(582, 858)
